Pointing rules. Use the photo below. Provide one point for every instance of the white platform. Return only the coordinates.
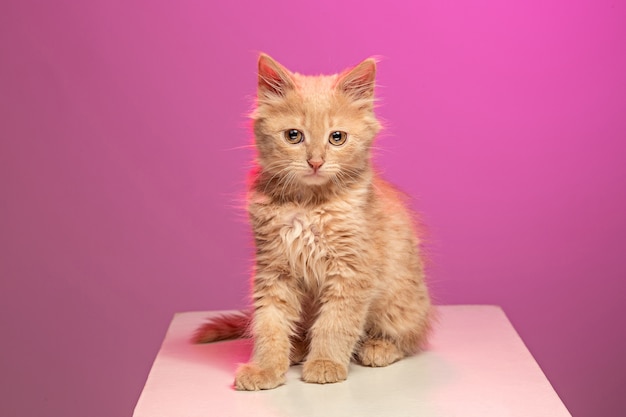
(476, 366)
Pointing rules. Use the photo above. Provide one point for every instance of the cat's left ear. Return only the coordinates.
(358, 82)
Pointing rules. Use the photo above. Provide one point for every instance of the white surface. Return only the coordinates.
(476, 365)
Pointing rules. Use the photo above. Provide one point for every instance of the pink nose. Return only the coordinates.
(315, 164)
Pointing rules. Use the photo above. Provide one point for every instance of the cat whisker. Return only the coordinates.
(348, 174)
(289, 182)
(236, 148)
(377, 149)
(343, 178)
(280, 179)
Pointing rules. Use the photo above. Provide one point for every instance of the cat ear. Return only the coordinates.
(274, 79)
(358, 82)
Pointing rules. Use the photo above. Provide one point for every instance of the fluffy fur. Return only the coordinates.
(338, 272)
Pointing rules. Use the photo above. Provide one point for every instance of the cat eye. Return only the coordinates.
(338, 138)
(294, 136)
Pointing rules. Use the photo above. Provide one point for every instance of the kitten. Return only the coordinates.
(338, 273)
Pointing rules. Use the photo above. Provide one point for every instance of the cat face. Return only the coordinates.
(312, 130)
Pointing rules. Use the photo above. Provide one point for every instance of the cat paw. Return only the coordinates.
(250, 377)
(378, 352)
(321, 371)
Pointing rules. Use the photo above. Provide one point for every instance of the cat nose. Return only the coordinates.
(315, 163)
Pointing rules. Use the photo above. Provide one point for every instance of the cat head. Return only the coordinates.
(314, 130)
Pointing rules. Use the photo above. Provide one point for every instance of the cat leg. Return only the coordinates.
(300, 340)
(384, 347)
(299, 349)
(396, 327)
(276, 311)
(336, 330)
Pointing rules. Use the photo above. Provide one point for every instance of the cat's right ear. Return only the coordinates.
(274, 79)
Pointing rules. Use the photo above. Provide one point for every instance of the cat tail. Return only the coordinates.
(224, 327)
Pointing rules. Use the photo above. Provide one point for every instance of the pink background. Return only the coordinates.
(122, 163)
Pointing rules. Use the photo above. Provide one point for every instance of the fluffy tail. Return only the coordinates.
(224, 327)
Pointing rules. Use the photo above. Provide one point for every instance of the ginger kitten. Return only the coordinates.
(338, 273)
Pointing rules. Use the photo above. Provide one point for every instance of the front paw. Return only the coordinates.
(251, 377)
(322, 371)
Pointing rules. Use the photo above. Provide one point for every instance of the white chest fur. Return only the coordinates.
(305, 244)
(311, 242)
